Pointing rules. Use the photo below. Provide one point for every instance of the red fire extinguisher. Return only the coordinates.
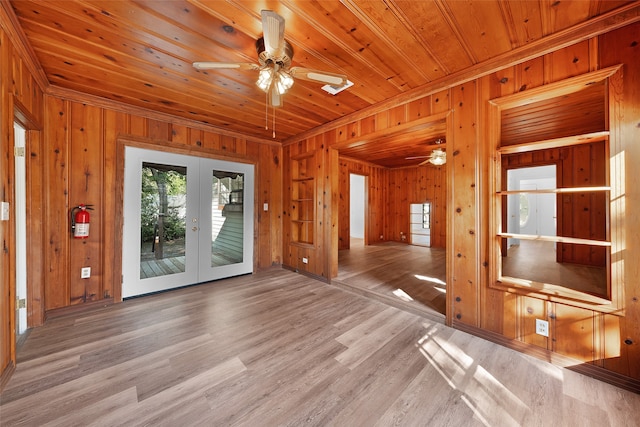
(80, 221)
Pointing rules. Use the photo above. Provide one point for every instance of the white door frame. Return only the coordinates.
(198, 227)
(20, 212)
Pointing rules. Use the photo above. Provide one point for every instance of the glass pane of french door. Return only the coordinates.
(160, 233)
(226, 240)
(163, 220)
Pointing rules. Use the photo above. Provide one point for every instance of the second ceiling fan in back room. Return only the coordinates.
(276, 75)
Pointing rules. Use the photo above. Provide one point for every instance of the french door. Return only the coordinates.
(187, 220)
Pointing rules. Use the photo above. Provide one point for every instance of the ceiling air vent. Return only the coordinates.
(334, 90)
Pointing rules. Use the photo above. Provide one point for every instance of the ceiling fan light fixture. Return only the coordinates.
(283, 82)
(265, 78)
(438, 157)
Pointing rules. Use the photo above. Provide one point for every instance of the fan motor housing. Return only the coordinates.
(284, 59)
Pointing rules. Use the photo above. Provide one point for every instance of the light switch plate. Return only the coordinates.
(4, 214)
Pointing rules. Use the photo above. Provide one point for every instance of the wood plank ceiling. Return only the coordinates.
(140, 52)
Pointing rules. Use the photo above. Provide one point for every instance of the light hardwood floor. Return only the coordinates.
(407, 276)
(277, 348)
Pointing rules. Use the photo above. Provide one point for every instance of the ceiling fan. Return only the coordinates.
(276, 75)
(438, 157)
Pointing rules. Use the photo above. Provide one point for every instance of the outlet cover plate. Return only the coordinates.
(85, 272)
(542, 327)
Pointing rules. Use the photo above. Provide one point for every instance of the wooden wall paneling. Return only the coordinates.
(115, 124)
(366, 125)
(569, 62)
(273, 167)
(157, 129)
(139, 126)
(529, 74)
(344, 226)
(86, 186)
(461, 163)
(397, 115)
(195, 137)
(574, 332)
(319, 256)
(621, 46)
(498, 310)
(505, 81)
(382, 120)
(7, 296)
(440, 102)
(391, 208)
(57, 121)
(615, 355)
(262, 184)
(269, 191)
(530, 309)
(331, 219)
(179, 134)
(419, 108)
(36, 190)
(211, 140)
(439, 236)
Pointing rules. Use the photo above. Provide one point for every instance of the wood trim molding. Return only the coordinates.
(599, 25)
(24, 116)
(556, 89)
(412, 126)
(9, 22)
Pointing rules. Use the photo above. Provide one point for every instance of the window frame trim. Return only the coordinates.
(613, 303)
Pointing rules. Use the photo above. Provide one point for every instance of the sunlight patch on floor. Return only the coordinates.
(483, 393)
(430, 279)
(402, 295)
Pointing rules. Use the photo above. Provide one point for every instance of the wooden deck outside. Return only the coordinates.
(172, 265)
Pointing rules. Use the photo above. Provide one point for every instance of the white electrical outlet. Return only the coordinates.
(85, 272)
(542, 327)
(305, 260)
(265, 207)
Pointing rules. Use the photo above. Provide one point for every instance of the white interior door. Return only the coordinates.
(187, 220)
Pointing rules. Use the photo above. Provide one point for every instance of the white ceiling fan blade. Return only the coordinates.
(273, 33)
(225, 65)
(332, 79)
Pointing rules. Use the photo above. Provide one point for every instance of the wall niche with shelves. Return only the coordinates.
(303, 199)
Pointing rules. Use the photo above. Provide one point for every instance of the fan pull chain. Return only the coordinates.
(274, 122)
(266, 112)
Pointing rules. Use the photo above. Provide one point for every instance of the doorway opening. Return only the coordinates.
(420, 224)
(357, 206)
